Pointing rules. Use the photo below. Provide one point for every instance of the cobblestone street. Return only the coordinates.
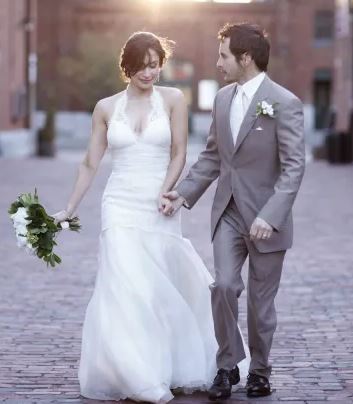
(42, 309)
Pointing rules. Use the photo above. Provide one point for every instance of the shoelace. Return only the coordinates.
(222, 377)
(252, 378)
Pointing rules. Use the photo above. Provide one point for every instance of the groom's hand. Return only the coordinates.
(260, 230)
(175, 202)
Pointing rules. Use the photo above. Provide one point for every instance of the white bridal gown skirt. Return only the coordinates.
(148, 326)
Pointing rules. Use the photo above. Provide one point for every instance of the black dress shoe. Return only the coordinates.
(234, 376)
(257, 386)
(221, 387)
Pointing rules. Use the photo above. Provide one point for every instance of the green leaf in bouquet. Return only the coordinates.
(14, 207)
(32, 238)
(27, 199)
(57, 259)
(36, 195)
(46, 258)
(47, 246)
(74, 224)
(45, 242)
(44, 253)
(38, 212)
(38, 230)
(51, 259)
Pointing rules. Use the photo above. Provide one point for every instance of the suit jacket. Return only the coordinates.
(264, 169)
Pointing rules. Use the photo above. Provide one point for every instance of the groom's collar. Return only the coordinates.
(251, 86)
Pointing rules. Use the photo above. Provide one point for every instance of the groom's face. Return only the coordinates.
(227, 63)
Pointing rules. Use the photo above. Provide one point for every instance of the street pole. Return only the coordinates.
(31, 60)
(342, 65)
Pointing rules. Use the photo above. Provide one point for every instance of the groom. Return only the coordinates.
(256, 150)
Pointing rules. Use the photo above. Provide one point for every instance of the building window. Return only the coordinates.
(322, 98)
(324, 26)
(207, 90)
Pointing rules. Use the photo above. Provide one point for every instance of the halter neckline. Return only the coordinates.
(157, 110)
(146, 97)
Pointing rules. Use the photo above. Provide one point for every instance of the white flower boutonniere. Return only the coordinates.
(264, 108)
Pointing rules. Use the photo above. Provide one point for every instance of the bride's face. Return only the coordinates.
(149, 73)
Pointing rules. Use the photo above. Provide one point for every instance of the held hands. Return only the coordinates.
(162, 202)
(172, 202)
(260, 230)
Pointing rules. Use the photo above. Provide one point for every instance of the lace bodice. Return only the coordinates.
(139, 166)
(156, 133)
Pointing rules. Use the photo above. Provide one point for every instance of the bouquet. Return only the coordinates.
(35, 229)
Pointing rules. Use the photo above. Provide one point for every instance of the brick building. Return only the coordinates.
(311, 54)
(17, 76)
(302, 35)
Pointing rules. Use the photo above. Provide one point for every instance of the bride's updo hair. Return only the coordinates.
(133, 53)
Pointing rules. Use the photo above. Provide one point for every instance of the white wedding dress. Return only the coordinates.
(148, 326)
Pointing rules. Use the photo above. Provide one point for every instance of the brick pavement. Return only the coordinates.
(42, 310)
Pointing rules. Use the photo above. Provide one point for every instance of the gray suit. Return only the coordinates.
(258, 177)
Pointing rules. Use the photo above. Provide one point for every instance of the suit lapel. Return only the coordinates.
(250, 117)
(226, 117)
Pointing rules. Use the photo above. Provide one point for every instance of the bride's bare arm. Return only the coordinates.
(89, 165)
(179, 129)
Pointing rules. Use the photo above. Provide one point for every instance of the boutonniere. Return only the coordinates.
(264, 108)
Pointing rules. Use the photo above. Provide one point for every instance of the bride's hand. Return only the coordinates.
(175, 202)
(162, 202)
(61, 216)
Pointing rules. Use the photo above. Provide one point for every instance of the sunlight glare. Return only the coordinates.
(201, 1)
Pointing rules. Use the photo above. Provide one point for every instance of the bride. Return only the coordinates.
(148, 327)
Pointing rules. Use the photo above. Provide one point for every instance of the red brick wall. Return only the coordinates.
(297, 18)
(194, 27)
(12, 59)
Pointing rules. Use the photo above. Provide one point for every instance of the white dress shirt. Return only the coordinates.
(241, 102)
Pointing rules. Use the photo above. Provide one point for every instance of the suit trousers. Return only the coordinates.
(231, 247)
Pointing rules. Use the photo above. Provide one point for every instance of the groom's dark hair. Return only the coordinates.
(247, 38)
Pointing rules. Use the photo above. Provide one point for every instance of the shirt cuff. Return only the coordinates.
(186, 205)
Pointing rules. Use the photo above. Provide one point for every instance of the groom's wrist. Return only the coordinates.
(185, 202)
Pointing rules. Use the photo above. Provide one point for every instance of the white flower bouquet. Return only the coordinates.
(35, 229)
